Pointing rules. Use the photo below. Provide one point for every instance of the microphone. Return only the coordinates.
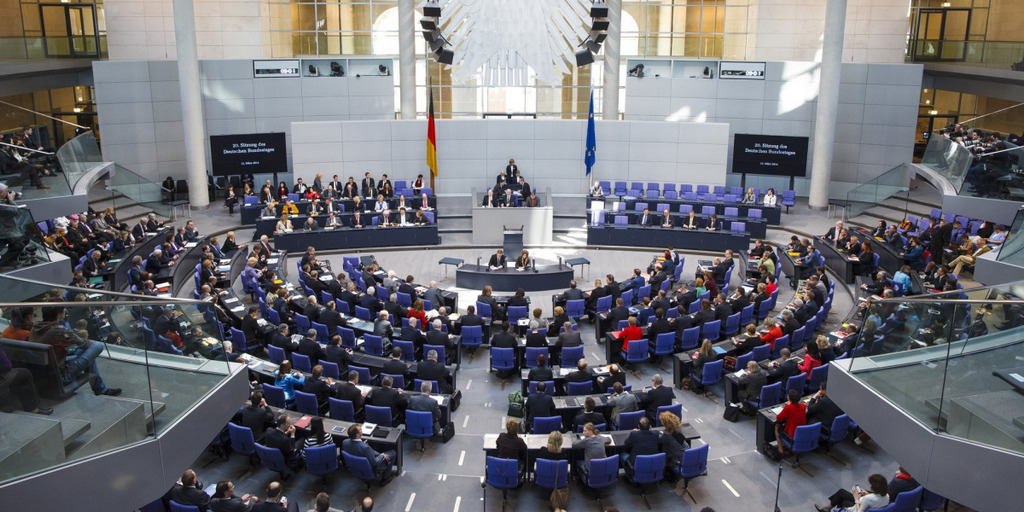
(533, 264)
(559, 263)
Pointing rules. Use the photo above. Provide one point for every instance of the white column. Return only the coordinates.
(611, 48)
(407, 57)
(191, 102)
(828, 103)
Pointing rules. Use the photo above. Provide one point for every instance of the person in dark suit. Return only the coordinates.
(588, 415)
(282, 340)
(139, 231)
(738, 300)
(257, 416)
(412, 332)
(569, 338)
(283, 438)
(423, 402)
(691, 221)
(750, 383)
(643, 441)
(535, 338)
(276, 501)
(658, 396)
(354, 445)
(617, 314)
(581, 373)
(224, 499)
(722, 309)
(331, 317)
(822, 409)
(368, 186)
(498, 261)
(705, 314)
(615, 376)
(645, 218)
(542, 371)
(503, 338)
(611, 287)
(395, 366)
(348, 391)
(471, 318)
(319, 386)
(599, 291)
(431, 369)
(573, 293)
(309, 347)
(781, 372)
(539, 404)
(511, 169)
(188, 491)
(834, 233)
(385, 396)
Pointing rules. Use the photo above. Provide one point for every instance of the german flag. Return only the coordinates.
(431, 138)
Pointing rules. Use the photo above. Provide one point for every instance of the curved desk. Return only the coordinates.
(547, 277)
(344, 238)
(695, 239)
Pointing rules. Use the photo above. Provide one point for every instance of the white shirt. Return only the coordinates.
(769, 200)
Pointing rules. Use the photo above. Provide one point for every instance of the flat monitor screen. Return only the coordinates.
(250, 153)
(770, 154)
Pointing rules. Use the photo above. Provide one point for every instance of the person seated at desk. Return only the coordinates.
(402, 218)
(750, 384)
(424, 202)
(541, 372)
(632, 332)
(424, 402)
(287, 379)
(620, 402)
(511, 446)
(593, 446)
(793, 415)
(385, 396)
(382, 325)
(859, 500)
(588, 415)
(385, 188)
(666, 220)
(282, 438)
(420, 219)
(384, 219)
(691, 221)
(539, 404)
(487, 295)
(347, 390)
(645, 218)
(658, 396)
(641, 441)
(310, 225)
(224, 499)
(284, 225)
(508, 199)
(532, 201)
(712, 224)
(489, 200)
(289, 207)
(381, 461)
(417, 185)
(432, 369)
(523, 261)
(770, 199)
(834, 234)
(781, 372)
(498, 261)
(705, 354)
(750, 197)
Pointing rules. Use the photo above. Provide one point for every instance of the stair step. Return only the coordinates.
(113, 422)
(70, 428)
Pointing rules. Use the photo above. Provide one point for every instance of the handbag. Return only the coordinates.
(559, 497)
(515, 404)
(731, 414)
(729, 363)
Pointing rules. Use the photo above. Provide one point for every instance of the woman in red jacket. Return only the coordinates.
(416, 311)
(772, 332)
(812, 358)
(630, 333)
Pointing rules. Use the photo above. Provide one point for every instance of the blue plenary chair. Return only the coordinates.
(378, 415)
(503, 360)
(547, 424)
(907, 501)
(629, 420)
(574, 309)
(502, 474)
(931, 501)
(676, 409)
(532, 353)
(341, 410)
(551, 474)
(834, 433)
(769, 396)
(549, 387)
(571, 355)
(515, 313)
(419, 425)
(796, 382)
(373, 345)
(416, 383)
(321, 461)
(580, 388)
(804, 440)
(664, 344)
(274, 396)
(178, 507)
(277, 354)
(472, 337)
(818, 375)
(648, 469)
(272, 459)
(691, 338)
(408, 349)
(397, 380)
(711, 375)
(331, 370)
(301, 362)
(637, 351)
(306, 403)
(242, 441)
(761, 352)
(732, 324)
(694, 464)
(601, 473)
(360, 468)
(364, 373)
(712, 330)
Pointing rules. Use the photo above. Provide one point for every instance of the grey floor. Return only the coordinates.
(448, 476)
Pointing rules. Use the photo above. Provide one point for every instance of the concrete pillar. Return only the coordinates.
(828, 103)
(611, 49)
(407, 57)
(191, 103)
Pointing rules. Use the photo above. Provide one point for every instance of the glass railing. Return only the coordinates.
(139, 189)
(869, 194)
(22, 238)
(155, 359)
(952, 361)
(42, 48)
(1012, 250)
(992, 54)
(997, 175)
(79, 156)
(949, 159)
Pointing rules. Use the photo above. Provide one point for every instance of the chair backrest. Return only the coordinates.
(649, 468)
(707, 210)
(712, 372)
(398, 381)
(630, 420)
(306, 403)
(472, 335)
(242, 440)
(761, 352)
(685, 209)
(737, 227)
(302, 322)
(665, 343)
(637, 351)
(362, 313)
(732, 211)
(930, 501)
(840, 425)
(271, 458)
(817, 376)
(321, 460)
(277, 354)
(483, 309)
(796, 382)
(570, 355)
(373, 345)
(691, 338)
(741, 361)
(695, 461)
(404, 299)
(436, 348)
(237, 339)
(711, 330)
(746, 314)
(348, 336)
(360, 467)
(433, 385)
(580, 388)
(502, 473)
(503, 358)
(547, 424)
(552, 474)
(732, 323)
(754, 213)
(178, 507)
(532, 353)
(574, 309)
(806, 438)
(676, 409)
(378, 415)
(770, 395)
(419, 424)
(341, 409)
(274, 396)
(515, 313)
(603, 472)
(331, 370)
(302, 363)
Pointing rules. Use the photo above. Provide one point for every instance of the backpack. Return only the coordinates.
(516, 404)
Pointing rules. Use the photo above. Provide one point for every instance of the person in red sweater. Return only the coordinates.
(630, 333)
(771, 332)
(812, 358)
(416, 311)
(793, 415)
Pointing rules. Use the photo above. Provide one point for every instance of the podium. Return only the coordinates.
(513, 241)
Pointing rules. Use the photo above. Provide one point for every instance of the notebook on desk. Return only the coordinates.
(571, 402)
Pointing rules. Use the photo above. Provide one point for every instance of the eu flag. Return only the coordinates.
(591, 152)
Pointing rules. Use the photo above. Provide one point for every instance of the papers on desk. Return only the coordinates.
(271, 261)
(262, 322)
(238, 309)
(231, 300)
(739, 373)
(223, 268)
(718, 350)
(438, 399)
(191, 244)
(777, 409)
(303, 422)
(162, 287)
(326, 277)
(611, 440)
(601, 370)
(564, 371)
(368, 428)
(364, 389)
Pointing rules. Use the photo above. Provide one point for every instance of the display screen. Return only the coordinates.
(769, 154)
(252, 153)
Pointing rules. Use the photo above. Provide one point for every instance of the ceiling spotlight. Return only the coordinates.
(599, 10)
(584, 57)
(601, 24)
(432, 8)
(444, 55)
(594, 47)
(429, 24)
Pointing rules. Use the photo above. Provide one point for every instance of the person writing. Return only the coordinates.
(859, 500)
(523, 261)
(498, 261)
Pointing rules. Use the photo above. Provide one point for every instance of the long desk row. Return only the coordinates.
(251, 212)
(772, 214)
(757, 227)
(119, 281)
(546, 277)
(344, 238)
(701, 240)
(390, 440)
(267, 225)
